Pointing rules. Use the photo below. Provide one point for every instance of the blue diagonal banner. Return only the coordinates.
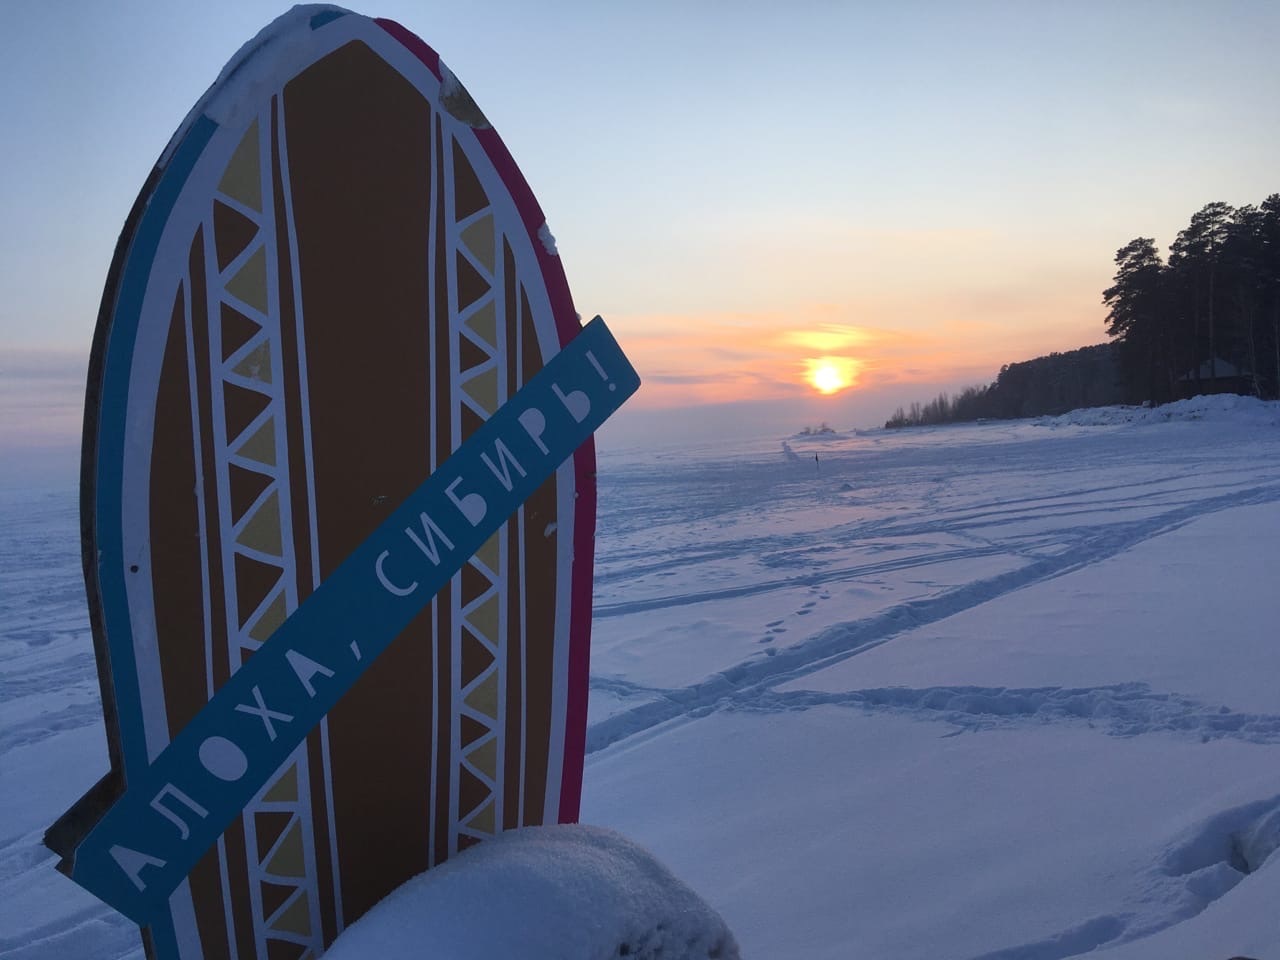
(154, 834)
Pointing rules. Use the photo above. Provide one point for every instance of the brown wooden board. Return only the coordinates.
(335, 275)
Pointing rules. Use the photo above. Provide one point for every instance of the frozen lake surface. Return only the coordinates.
(1005, 690)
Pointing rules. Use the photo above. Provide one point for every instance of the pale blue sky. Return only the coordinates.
(951, 179)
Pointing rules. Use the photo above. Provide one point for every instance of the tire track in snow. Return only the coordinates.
(1123, 709)
(751, 678)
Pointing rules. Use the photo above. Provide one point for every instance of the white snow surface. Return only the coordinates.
(556, 891)
(1003, 691)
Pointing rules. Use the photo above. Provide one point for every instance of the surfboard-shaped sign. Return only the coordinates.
(338, 502)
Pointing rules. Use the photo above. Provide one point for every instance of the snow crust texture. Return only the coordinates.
(566, 892)
(1002, 690)
(998, 691)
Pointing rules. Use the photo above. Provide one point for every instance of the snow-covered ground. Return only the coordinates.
(1005, 690)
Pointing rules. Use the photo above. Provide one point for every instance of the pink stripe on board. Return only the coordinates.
(413, 43)
(584, 460)
(584, 555)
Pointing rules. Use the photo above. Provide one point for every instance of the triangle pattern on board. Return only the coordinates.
(471, 284)
(270, 825)
(274, 896)
(475, 584)
(269, 620)
(472, 792)
(476, 657)
(249, 285)
(483, 322)
(484, 820)
(484, 698)
(242, 180)
(284, 790)
(236, 331)
(485, 759)
(483, 390)
(232, 233)
(288, 861)
(468, 195)
(469, 354)
(296, 918)
(262, 532)
(254, 582)
(261, 447)
(256, 364)
(479, 241)
(490, 551)
(471, 729)
(246, 487)
(483, 619)
(241, 406)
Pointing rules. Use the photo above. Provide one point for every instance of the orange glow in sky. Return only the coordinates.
(830, 375)
(847, 353)
(940, 226)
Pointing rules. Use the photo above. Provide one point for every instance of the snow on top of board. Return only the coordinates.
(234, 96)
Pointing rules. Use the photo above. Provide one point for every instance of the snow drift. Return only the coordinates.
(542, 893)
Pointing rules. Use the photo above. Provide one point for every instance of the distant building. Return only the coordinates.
(1215, 376)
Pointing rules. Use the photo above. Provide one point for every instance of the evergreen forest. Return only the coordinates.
(1204, 320)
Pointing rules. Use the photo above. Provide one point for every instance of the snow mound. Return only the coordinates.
(542, 893)
(1222, 407)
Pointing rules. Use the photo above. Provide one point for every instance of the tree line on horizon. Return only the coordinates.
(1206, 320)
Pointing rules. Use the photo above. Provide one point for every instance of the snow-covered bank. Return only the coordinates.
(992, 690)
(1223, 408)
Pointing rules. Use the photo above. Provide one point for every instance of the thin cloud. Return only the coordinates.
(25, 363)
(41, 398)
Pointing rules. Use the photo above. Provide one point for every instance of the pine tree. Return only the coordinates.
(1137, 321)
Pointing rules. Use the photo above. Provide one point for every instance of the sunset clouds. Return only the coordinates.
(920, 338)
(909, 195)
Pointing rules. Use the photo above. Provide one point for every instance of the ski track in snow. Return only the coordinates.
(753, 677)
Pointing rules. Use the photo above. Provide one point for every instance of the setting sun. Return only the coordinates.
(830, 375)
